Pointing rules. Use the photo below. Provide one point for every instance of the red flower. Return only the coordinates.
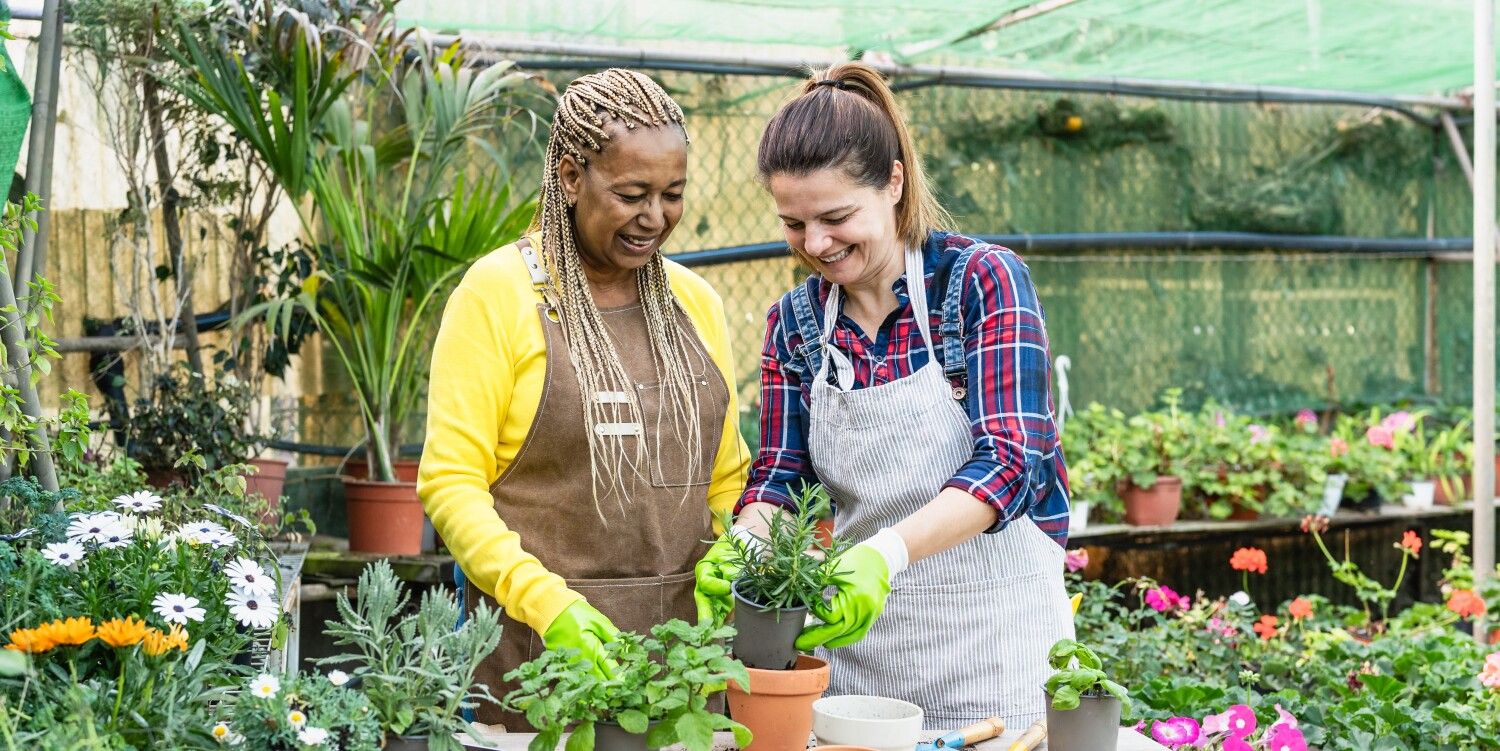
(1411, 542)
(1300, 608)
(1266, 627)
(1338, 447)
(1248, 559)
(1379, 435)
(1466, 603)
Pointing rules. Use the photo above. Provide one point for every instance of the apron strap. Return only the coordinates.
(541, 281)
(950, 279)
(797, 310)
(916, 292)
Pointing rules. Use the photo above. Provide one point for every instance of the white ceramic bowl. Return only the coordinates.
(870, 721)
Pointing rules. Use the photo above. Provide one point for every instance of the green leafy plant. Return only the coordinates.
(190, 413)
(1080, 673)
(381, 133)
(660, 687)
(793, 564)
(416, 669)
(304, 707)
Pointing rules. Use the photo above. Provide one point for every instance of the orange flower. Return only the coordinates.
(1248, 559)
(1466, 603)
(122, 632)
(1300, 608)
(1266, 627)
(70, 632)
(33, 640)
(157, 642)
(1411, 542)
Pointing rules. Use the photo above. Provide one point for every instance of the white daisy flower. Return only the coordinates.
(312, 736)
(139, 502)
(265, 686)
(89, 527)
(176, 608)
(63, 553)
(296, 719)
(115, 534)
(207, 533)
(222, 733)
(247, 575)
(19, 534)
(338, 677)
(227, 514)
(253, 610)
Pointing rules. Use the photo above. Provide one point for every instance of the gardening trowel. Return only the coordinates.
(979, 731)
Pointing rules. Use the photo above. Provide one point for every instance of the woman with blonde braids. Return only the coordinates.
(580, 429)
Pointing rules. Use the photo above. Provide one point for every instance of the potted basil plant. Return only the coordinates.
(1084, 706)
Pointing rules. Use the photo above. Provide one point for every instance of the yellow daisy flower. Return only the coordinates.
(155, 642)
(29, 640)
(69, 632)
(122, 632)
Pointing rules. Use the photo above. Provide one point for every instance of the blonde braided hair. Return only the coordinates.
(584, 110)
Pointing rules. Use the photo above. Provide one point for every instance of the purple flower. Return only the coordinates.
(1163, 599)
(1306, 417)
(1177, 732)
(1259, 434)
(1076, 559)
(1284, 738)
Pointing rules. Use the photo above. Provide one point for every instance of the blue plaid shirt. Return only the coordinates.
(1017, 466)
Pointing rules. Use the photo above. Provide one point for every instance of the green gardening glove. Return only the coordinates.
(863, 581)
(715, 575)
(579, 626)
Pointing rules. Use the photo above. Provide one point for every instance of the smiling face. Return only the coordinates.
(842, 229)
(628, 199)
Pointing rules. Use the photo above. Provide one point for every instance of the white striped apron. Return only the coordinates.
(965, 633)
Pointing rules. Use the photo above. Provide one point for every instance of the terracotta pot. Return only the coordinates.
(778, 706)
(384, 517)
(1241, 513)
(825, 531)
(1157, 505)
(267, 483)
(1462, 491)
(359, 469)
(1495, 635)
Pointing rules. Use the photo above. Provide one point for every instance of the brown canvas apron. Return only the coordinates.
(636, 564)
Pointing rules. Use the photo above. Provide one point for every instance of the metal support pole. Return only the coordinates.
(43, 127)
(1484, 294)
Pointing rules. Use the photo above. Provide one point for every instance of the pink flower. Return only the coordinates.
(1399, 422)
(1163, 599)
(1380, 435)
(1338, 447)
(1490, 676)
(1235, 744)
(1219, 627)
(1283, 717)
(1284, 738)
(1176, 732)
(1306, 418)
(1241, 720)
(1076, 559)
(1259, 434)
(1219, 419)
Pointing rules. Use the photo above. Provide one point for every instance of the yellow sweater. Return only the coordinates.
(488, 367)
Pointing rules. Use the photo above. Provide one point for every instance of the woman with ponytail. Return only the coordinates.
(910, 377)
(581, 426)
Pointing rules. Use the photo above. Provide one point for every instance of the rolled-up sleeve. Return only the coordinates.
(1006, 355)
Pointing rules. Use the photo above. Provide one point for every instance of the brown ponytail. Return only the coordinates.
(847, 117)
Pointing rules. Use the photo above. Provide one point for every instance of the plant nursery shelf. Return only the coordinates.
(1129, 741)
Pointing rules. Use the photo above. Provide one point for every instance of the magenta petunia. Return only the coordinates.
(1283, 717)
(1241, 720)
(1284, 738)
(1307, 417)
(1176, 732)
(1163, 599)
(1076, 559)
(1235, 744)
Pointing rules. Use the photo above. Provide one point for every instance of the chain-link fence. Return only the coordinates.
(1262, 329)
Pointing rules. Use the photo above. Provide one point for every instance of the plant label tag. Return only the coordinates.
(1333, 493)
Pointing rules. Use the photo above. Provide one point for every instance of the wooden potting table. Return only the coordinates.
(1129, 741)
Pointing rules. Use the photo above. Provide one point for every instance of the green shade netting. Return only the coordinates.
(15, 110)
(1374, 46)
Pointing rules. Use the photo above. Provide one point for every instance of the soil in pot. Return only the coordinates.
(766, 638)
(777, 708)
(1093, 726)
(1155, 506)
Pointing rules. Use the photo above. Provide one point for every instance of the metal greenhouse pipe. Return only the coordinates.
(1484, 294)
(39, 150)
